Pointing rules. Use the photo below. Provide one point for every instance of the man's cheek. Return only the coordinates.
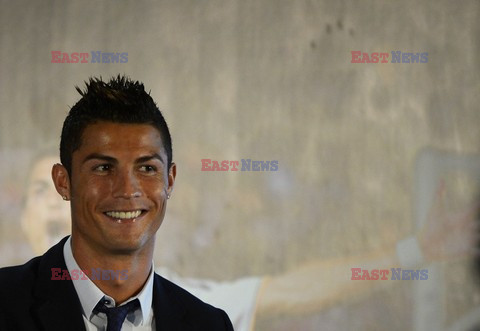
(156, 190)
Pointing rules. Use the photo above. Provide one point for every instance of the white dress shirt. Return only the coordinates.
(89, 295)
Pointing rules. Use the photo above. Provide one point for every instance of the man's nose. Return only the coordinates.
(126, 185)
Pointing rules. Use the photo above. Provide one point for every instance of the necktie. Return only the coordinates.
(116, 315)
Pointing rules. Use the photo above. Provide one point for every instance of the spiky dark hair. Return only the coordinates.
(120, 100)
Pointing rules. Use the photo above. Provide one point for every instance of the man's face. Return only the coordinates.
(46, 217)
(118, 186)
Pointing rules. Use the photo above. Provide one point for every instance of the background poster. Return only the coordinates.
(368, 154)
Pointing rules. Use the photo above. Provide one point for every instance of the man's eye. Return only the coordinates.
(148, 168)
(102, 168)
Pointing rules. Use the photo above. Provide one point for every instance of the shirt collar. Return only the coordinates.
(89, 294)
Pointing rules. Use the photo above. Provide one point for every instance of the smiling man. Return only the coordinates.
(117, 171)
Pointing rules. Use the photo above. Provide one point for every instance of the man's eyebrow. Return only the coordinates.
(97, 156)
(149, 157)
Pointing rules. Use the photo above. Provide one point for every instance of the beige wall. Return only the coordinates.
(266, 80)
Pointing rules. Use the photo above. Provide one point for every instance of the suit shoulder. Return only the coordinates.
(25, 274)
(196, 309)
(188, 299)
(18, 273)
(18, 278)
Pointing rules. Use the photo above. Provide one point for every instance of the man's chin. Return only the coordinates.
(125, 247)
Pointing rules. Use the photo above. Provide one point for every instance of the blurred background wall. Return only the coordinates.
(265, 80)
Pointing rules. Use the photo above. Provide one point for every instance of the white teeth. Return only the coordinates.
(124, 214)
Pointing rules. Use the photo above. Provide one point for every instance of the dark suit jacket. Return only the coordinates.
(30, 300)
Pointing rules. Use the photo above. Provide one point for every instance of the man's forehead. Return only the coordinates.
(124, 138)
(122, 129)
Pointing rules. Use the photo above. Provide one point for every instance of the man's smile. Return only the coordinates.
(124, 214)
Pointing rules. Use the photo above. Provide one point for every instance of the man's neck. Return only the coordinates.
(131, 269)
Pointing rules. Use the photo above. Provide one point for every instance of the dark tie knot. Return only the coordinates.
(116, 315)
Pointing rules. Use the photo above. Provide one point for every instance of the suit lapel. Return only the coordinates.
(57, 306)
(168, 311)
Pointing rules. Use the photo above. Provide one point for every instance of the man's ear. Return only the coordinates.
(61, 180)
(172, 173)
